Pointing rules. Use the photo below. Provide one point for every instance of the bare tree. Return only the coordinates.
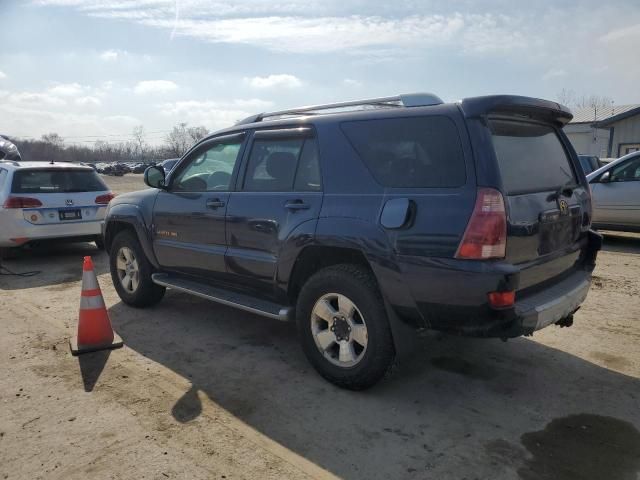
(197, 133)
(567, 97)
(177, 140)
(597, 103)
(53, 139)
(139, 142)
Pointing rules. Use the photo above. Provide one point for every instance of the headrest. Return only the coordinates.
(281, 165)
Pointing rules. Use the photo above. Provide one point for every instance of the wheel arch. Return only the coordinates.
(126, 217)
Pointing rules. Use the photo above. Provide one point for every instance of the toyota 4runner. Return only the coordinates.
(367, 221)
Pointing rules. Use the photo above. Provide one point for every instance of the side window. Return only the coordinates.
(209, 170)
(411, 152)
(627, 172)
(308, 178)
(272, 165)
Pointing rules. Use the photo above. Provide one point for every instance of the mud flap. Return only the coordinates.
(405, 337)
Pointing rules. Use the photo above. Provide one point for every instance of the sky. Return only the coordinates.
(95, 69)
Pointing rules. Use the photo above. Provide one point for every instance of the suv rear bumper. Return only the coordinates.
(452, 295)
(28, 232)
(551, 305)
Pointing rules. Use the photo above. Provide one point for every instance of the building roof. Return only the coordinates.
(605, 115)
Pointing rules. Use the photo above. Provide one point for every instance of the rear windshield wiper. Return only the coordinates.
(565, 190)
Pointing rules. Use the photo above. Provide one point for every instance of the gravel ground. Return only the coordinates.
(201, 391)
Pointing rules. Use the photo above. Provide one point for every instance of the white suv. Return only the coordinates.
(47, 201)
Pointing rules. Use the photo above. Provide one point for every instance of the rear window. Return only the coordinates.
(530, 156)
(414, 152)
(56, 181)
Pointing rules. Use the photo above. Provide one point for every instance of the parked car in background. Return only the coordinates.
(616, 194)
(139, 168)
(168, 165)
(8, 149)
(589, 163)
(370, 224)
(50, 201)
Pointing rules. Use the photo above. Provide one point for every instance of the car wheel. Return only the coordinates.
(131, 272)
(343, 327)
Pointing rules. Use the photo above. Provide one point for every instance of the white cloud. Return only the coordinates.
(213, 114)
(88, 101)
(109, 55)
(35, 99)
(155, 86)
(350, 82)
(626, 33)
(282, 80)
(2, 75)
(67, 89)
(554, 73)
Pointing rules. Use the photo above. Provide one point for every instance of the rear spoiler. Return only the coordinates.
(536, 108)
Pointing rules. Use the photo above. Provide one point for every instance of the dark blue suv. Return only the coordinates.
(368, 221)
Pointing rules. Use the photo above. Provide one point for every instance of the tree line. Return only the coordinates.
(52, 147)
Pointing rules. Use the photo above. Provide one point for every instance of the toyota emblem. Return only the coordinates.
(69, 202)
(564, 207)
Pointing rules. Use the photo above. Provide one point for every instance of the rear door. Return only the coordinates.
(189, 217)
(617, 202)
(546, 200)
(279, 190)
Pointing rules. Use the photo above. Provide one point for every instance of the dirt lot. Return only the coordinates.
(201, 391)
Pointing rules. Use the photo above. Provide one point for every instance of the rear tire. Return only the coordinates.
(343, 288)
(131, 272)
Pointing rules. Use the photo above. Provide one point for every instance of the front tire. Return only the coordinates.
(131, 272)
(343, 327)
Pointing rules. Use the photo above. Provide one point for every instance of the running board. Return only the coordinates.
(225, 297)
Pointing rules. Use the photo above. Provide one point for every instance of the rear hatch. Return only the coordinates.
(58, 195)
(547, 203)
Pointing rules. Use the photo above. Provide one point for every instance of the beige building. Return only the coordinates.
(607, 133)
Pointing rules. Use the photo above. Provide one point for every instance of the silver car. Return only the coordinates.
(616, 194)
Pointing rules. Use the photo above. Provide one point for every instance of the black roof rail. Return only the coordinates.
(404, 100)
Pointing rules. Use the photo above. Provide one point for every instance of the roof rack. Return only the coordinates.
(404, 100)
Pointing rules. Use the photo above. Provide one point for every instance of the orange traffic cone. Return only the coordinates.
(94, 327)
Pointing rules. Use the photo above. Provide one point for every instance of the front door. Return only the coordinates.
(280, 190)
(189, 217)
(617, 202)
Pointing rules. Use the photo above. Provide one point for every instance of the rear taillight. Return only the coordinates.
(104, 199)
(22, 202)
(502, 299)
(486, 233)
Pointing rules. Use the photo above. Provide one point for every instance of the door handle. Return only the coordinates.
(296, 205)
(214, 203)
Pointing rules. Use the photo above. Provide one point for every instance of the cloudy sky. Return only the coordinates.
(94, 69)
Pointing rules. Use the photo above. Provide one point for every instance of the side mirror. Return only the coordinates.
(605, 177)
(154, 177)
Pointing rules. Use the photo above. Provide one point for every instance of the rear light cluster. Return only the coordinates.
(486, 233)
(105, 199)
(22, 202)
(502, 299)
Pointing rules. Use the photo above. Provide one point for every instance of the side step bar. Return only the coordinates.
(225, 297)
